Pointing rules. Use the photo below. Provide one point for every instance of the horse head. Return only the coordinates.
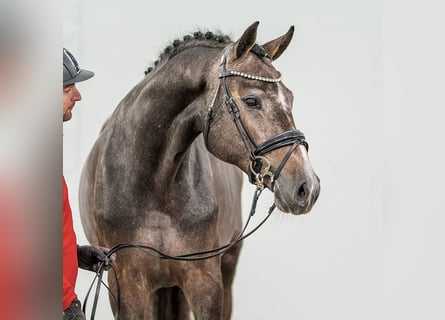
(250, 123)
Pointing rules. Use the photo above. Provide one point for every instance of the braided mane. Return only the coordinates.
(209, 39)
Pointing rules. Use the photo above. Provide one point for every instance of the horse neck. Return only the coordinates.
(175, 113)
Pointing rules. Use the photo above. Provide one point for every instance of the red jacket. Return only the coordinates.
(70, 264)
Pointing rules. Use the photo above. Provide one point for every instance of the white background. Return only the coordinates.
(368, 79)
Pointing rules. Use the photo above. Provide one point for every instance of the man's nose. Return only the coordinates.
(76, 95)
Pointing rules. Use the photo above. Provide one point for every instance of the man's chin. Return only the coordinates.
(67, 116)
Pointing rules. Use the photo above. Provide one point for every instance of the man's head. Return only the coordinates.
(72, 74)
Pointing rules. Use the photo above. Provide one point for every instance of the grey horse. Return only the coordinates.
(154, 178)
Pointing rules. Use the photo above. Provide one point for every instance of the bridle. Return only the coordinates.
(255, 152)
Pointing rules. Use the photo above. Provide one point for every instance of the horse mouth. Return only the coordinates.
(294, 210)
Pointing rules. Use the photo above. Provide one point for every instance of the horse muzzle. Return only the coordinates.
(298, 196)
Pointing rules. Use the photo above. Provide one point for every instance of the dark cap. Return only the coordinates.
(71, 70)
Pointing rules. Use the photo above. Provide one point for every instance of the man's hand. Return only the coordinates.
(90, 257)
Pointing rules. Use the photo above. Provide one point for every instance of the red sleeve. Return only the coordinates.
(70, 266)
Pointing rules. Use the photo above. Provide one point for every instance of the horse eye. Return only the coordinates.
(252, 102)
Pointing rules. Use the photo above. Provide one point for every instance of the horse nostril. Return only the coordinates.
(302, 191)
(302, 194)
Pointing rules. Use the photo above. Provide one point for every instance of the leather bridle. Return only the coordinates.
(256, 152)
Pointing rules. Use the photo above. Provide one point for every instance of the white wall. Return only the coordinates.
(367, 78)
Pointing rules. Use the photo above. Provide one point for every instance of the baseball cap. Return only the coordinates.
(72, 73)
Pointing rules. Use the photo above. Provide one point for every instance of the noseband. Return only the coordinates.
(255, 152)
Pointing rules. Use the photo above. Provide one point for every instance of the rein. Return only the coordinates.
(255, 152)
(256, 176)
(195, 256)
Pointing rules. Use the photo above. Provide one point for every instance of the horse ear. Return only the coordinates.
(243, 45)
(277, 46)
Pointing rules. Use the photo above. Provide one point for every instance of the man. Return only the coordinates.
(74, 256)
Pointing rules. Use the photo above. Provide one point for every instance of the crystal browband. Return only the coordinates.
(248, 76)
